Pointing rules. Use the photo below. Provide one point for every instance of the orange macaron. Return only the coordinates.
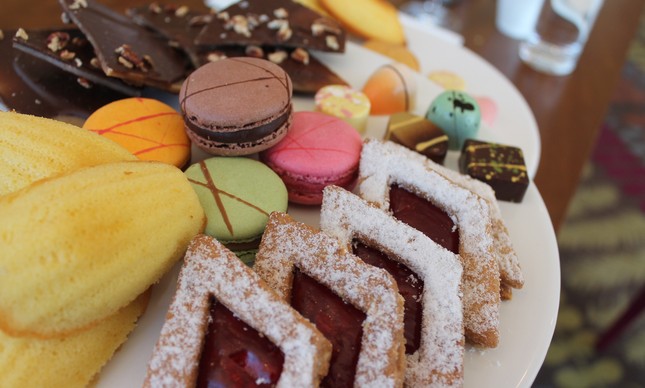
(148, 128)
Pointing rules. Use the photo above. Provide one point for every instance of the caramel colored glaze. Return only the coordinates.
(424, 216)
(340, 322)
(236, 355)
(410, 287)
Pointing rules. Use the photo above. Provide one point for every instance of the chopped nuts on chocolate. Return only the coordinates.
(94, 62)
(84, 82)
(1, 35)
(278, 57)
(130, 59)
(284, 33)
(199, 20)
(182, 11)
(57, 41)
(155, 8)
(67, 55)
(281, 13)
(324, 25)
(301, 55)
(215, 56)
(77, 4)
(22, 34)
(254, 51)
(332, 42)
(78, 62)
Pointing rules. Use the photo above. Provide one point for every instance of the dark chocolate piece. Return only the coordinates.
(32, 86)
(125, 49)
(307, 78)
(282, 23)
(68, 50)
(418, 134)
(501, 166)
(179, 24)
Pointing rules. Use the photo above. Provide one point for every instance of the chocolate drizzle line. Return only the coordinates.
(210, 185)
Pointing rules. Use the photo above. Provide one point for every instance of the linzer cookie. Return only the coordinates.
(237, 195)
(34, 86)
(428, 277)
(418, 134)
(500, 166)
(509, 267)
(69, 50)
(236, 106)
(398, 180)
(355, 305)
(277, 23)
(222, 311)
(126, 50)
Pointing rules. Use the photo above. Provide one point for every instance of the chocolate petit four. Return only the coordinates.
(391, 89)
(355, 305)
(428, 277)
(419, 134)
(501, 166)
(457, 113)
(226, 326)
(399, 180)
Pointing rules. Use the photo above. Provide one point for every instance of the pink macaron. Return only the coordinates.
(319, 150)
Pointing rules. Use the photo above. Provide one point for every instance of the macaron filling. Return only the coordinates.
(254, 131)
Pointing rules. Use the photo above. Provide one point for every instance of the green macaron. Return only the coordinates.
(237, 194)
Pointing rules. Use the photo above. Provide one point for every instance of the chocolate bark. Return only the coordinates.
(69, 50)
(501, 166)
(182, 25)
(32, 86)
(275, 23)
(125, 49)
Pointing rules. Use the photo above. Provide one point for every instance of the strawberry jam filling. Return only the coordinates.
(340, 322)
(410, 287)
(236, 355)
(424, 216)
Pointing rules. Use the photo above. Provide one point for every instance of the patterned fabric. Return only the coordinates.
(602, 249)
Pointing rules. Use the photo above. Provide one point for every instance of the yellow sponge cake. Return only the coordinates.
(33, 148)
(78, 247)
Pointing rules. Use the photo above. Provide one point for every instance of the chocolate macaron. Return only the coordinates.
(236, 106)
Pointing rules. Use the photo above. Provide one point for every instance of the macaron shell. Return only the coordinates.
(319, 150)
(237, 195)
(148, 128)
(235, 93)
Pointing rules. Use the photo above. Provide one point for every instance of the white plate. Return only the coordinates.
(527, 322)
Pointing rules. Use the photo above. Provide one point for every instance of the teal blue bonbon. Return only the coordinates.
(458, 114)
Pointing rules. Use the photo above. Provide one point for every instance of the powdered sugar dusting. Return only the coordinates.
(439, 360)
(385, 163)
(509, 266)
(210, 269)
(287, 243)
